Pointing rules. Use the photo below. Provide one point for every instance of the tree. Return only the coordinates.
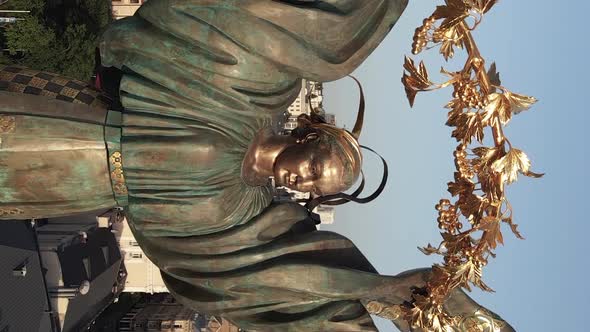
(37, 7)
(35, 39)
(60, 39)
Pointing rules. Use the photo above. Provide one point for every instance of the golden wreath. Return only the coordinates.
(480, 104)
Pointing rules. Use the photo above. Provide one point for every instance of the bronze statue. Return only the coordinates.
(190, 153)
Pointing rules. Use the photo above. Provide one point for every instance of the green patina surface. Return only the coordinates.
(201, 78)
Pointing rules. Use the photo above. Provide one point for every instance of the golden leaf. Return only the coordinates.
(450, 38)
(466, 272)
(485, 153)
(493, 75)
(469, 125)
(456, 106)
(486, 156)
(455, 243)
(469, 272)
(450, 74)
(471, 205)
(519, 103)
(511, 164)
(497, 105)
(482, 285)
(492, 234)
(416, 81)
(533, 174)
(513, 227)
(440, 276)
(482, 6)
(489, 182)
(453, 13)
(460, 186)
(429, 250)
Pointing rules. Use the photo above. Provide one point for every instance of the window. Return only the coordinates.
(136, 255)
(134, 1)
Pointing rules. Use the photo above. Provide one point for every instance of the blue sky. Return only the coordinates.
(540, 48)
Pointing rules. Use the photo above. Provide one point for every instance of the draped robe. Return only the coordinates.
(200, 79)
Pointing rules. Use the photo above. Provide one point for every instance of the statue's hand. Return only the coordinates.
(472, 316)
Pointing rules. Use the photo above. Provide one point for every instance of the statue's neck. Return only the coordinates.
(259, 160)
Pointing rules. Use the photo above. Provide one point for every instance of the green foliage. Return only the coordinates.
(34, 37)
(58, 39)
(36, 7)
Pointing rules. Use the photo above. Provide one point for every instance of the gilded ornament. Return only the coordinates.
(7, 124)
(120, 188)
(117, 176)
(374, 307)
(392, 312)
(10, 211)
(481, 321)
(479, 102)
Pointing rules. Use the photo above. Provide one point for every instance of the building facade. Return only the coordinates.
(69, 268)
(83, 267)
(143, 276)
(159, 312)
(124, 8)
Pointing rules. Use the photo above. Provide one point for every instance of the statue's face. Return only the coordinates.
(310, 167)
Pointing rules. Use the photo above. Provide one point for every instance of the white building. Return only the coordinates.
(315, 93)
(142, 275)
(300, 105)
(124, 8)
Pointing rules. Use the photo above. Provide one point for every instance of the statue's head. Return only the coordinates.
(326, 160)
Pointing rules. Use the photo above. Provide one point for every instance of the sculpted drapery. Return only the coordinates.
(200, 79)
(229, 68)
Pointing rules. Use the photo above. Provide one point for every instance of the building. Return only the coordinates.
(159, 312)
(141, 312)
(124, 8)
(83, 268)
(300, 105)
(330, 118)
(326, 214)
(142, 275)
(24, 300)
(205, 323)
(315, 94)
(58, 274)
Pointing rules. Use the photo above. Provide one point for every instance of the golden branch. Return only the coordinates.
(481, 172)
